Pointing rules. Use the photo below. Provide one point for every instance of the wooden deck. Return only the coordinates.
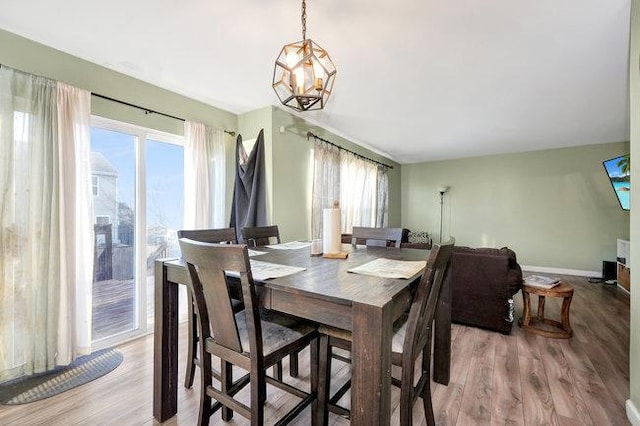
(113, 307)
(521, 379)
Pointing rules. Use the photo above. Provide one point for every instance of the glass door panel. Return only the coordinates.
(113, 168)
(165, 209)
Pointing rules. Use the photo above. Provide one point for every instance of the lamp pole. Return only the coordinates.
(442, 190)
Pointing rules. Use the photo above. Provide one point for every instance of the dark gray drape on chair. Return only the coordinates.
(249, 206)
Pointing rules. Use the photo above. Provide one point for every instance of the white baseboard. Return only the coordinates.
(632, 413)
(561, 271)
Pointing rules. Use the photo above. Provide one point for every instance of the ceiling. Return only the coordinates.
(417, 80)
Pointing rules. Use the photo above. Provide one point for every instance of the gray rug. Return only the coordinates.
(40, 386)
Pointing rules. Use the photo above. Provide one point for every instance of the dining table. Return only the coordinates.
(327, 293)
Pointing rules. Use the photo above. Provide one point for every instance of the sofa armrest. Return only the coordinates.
(480, 289)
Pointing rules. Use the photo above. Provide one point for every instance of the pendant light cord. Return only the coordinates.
(304, 20)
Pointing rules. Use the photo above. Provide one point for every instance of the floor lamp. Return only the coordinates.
(442, 190)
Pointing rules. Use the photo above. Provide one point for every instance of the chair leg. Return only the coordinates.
(406, 394)
(426, 390)
(314, 366)
(405, 405)
(226, 380)
(258, 387)
(293, 364)
(206, 381)
(324, 376)
(192, 344)
(277, 371)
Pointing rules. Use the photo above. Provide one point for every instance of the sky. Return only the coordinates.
(164, 180)
(612, 167)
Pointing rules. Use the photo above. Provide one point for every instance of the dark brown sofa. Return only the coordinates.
(483, 280)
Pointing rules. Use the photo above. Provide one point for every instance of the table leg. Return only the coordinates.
(564, 313)
(165, 346)
(442, 337)
(371, 365)
(541, 300)
(526, 313)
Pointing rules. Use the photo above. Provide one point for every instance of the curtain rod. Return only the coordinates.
(309, 134)
(149, 111)
(146, 110)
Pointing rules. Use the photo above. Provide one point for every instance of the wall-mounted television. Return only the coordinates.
(619, 172)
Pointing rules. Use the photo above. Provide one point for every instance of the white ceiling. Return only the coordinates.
(417, 80)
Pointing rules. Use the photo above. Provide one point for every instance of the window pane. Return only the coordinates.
(165, 207)
(114, 291)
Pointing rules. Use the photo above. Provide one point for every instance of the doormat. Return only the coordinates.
(44, 385)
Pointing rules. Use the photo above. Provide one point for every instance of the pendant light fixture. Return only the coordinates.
(304, 74)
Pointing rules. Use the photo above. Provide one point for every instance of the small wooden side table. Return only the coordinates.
(533, 324)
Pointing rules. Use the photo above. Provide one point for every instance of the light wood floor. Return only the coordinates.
(521, 379)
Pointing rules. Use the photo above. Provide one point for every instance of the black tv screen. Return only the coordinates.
(619, 172)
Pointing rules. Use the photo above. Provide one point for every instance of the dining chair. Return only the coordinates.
(252, 339)
(255, 236)
(385, 237)
(412, 338)
(219, 235)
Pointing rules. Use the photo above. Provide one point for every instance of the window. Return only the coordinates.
(103, 220)
(138, 190)
(360, 185)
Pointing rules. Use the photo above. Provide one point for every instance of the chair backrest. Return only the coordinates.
(207, 263)
(219, 235)
(425, 301)
(385, 237)
(261, 235)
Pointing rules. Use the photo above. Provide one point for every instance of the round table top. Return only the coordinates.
(559, 290)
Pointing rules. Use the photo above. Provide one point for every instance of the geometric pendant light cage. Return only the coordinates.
(304, 74)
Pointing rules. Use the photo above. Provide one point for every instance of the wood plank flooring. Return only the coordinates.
(113, 307)
(521, 379)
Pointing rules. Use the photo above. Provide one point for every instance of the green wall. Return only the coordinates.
(555, 208)
(288, 156)
(633, 405)
(292, 175)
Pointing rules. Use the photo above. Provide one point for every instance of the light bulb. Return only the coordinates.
(292, 59)
(318, 72)
(299, 74)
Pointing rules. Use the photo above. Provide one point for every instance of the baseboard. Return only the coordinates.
(626, 291)
(562, 271)
(632, 413)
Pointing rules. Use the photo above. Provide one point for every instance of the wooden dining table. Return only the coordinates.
(325, 292)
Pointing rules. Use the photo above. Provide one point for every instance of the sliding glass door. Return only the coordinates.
(165, 207)
(137, 178)
(113, 179)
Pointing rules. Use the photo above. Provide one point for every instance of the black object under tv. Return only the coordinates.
(619, 172)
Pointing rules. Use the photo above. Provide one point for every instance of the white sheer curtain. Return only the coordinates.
(326, 182)
(361, 186)
(76, 223)
(382, 216)
(46, 237)
(358, 191)
(204, 176)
